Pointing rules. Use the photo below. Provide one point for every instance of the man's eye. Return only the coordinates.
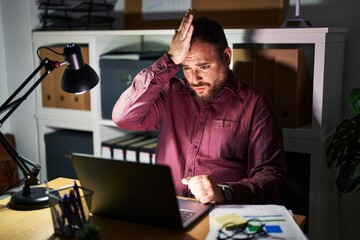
(185, 68)
(204, 67)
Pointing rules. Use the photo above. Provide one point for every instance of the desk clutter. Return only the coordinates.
(253, 222)
(75, 14)
(134, 147)
(70, 210)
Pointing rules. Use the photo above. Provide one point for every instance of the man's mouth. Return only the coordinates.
(199, 89)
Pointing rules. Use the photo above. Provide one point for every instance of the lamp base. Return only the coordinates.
(37, 199)
(296, 23)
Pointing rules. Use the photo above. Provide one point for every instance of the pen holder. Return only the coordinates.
(70, 209)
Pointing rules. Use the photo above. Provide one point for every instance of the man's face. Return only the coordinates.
(205, 70)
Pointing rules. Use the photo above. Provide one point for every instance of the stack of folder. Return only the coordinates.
(147, 153)
(107, 146)
(132, 147)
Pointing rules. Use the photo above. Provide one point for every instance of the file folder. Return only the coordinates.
(132, 150)
(119, 148)
(107, 146)
(147, 153)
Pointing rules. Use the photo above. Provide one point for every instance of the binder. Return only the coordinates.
(284, 75)
(147, 153)
(293, 88)
(243, 64)
(107, 146)
(119, 148)
(132, 150)
(264, 76)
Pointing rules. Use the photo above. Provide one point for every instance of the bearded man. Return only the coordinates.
(221, 137)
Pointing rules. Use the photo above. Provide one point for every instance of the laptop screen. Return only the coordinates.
(136, 192)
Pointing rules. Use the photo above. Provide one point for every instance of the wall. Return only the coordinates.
(18, 18)
(337, 13)
(3, 82)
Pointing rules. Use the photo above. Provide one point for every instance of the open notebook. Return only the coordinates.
(136, 192)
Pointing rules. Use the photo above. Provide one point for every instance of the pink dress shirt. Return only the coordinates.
(236, 139)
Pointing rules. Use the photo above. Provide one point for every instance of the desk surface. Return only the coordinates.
(37, 224)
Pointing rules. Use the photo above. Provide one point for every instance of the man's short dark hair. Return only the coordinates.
(209, 31)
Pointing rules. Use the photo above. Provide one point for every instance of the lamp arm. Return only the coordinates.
(11, 105)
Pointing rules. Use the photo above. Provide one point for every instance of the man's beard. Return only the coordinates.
(213, 92)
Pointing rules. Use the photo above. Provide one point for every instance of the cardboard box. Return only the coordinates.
(230, 13)
(243, 64)
(284, 75)
(264, 70)
(293, 88)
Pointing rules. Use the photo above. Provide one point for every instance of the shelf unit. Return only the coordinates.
(328, 54)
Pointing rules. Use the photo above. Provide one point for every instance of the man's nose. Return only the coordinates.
(196, 77)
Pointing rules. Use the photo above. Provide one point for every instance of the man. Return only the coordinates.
(221, 137)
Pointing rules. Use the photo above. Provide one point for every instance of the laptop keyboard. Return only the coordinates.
(186, 214)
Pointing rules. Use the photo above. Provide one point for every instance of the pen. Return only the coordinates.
(68, 214)
(78, 199)
(73, 202)
(58, 220)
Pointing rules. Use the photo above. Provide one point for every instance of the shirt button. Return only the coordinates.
(190, 170)
(194, 146)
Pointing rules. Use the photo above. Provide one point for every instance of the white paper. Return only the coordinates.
(271, 215)
(164, 9)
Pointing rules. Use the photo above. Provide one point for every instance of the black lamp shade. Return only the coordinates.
(78, 76)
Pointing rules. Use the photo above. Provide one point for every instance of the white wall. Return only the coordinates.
(3, 77)
(18, 19)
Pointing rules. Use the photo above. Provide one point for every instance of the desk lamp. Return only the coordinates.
(78, 77)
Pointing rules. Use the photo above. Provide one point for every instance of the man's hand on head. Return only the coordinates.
(180, 42)
(204, 189)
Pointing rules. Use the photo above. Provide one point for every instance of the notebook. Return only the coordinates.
(136, 192)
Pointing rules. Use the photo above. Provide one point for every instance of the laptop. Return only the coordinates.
(136, 192)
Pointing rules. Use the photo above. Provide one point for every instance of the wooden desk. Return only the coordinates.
(37, 224)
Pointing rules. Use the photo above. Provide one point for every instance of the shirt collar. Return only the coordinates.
(232, 84)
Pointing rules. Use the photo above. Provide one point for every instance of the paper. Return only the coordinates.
(222, 219)
(164, 10)
(277, 219)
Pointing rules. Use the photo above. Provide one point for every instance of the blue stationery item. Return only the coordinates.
(68, 211)
(58, 220)
(273, 229)
(74, 204)
(78, 199)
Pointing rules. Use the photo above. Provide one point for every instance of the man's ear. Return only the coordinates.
(227, 55)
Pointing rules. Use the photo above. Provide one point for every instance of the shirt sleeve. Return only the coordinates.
(141, 106)
(266, 165)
